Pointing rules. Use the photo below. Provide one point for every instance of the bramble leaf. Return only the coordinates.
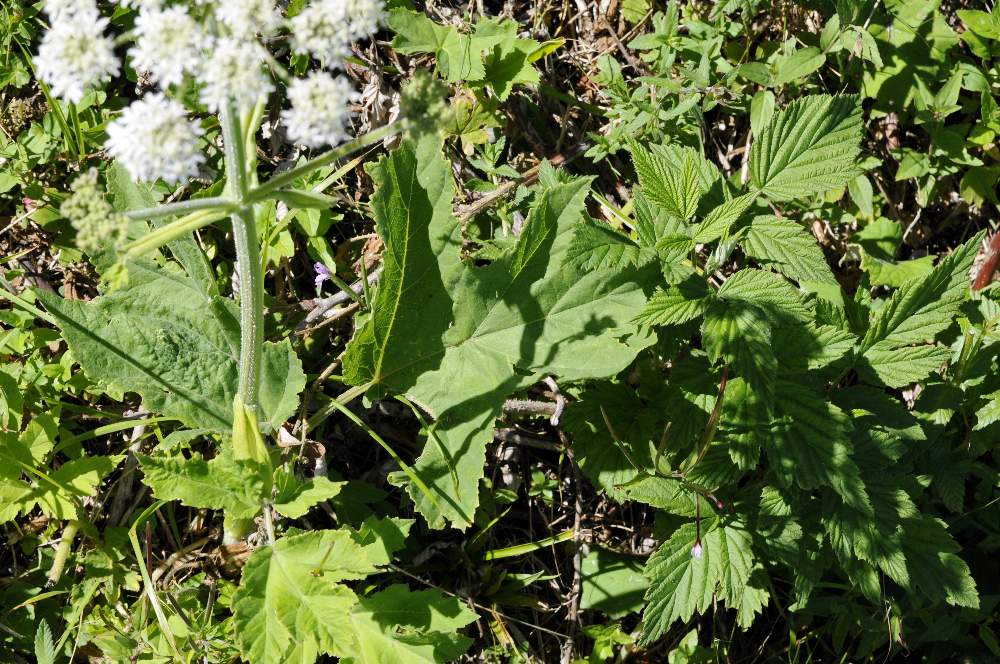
(682, 584)
(597, 246)
(671, 177)
(789, 248)
(807, 148)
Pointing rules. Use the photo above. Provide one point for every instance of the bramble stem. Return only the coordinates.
(248, 264)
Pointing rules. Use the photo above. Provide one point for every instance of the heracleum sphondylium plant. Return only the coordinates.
(192, 354)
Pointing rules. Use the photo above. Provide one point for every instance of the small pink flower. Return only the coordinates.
(322, 274)
(696, 549)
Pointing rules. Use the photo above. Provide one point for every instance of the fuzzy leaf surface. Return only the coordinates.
(166, 339)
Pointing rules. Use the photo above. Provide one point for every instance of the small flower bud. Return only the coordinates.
(696, 550)
(97, 224)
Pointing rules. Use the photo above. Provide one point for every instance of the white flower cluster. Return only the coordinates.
(326, 28)
(157, 121)
(75, 54)
(217, 44)
(320, 110)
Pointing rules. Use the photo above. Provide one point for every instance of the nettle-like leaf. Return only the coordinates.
(458, 339)
(898, 348)
(808, 148)
(739, 324)
(597, 246)
(670, 177)
(176, 345)
(682, 583)
(789, 248)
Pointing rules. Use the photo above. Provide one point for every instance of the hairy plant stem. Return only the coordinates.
(62, 553)
(248, 265)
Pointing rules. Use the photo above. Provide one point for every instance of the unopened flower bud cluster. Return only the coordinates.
(97, 224)
(221, 46)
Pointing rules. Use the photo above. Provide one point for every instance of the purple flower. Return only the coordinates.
(322, 274)
(696, 549)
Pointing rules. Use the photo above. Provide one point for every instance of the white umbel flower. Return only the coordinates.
(365, 17)
(323, 29)
(246, 18)
(168, 44)
(74, 56)
(326, 28)
(153, 139)
(320, 109)
(234, 70)
(62, 10)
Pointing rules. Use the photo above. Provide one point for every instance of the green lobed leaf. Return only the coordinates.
(400, 626)
(223, 483)
(458, 339)
(291, 605)
(295, 497)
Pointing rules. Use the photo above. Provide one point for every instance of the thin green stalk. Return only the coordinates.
(522, 549)
(385, 446)
(147, 582)
(248, 261)
(77, 130)
(343, 398)
(176, 229)
(183, 207)
(288, 177)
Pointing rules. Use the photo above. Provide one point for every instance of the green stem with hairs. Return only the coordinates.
(177, 229)
(248, 260)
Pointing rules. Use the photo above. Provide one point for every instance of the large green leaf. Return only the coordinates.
(458, 339)
(808, 148)
(224, 483)
(400, 626)
(291, 605)
(167, 339)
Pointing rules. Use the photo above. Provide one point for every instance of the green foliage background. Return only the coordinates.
(663, 347)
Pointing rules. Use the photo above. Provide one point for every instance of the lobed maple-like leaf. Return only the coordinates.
(458, 339)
